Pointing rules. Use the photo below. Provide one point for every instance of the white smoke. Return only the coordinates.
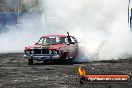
(100, 26)
(20, 35)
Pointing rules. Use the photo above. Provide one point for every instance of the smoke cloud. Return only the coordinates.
(100, 26)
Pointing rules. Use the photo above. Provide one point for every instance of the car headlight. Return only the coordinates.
(50, 51)
(27, 52)
(55, 52)
(32, 52)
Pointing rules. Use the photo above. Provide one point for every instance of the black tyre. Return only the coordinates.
(82, 79)
(63, 58)
(30, 62)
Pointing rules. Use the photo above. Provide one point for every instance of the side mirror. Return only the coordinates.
(73, 42)
(36, 43)
(68, 43)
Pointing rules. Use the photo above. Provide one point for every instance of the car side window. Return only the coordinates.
(73, 41)
(66, 40)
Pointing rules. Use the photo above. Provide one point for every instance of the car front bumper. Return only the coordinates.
(41, 57)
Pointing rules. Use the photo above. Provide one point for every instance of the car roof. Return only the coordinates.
(51, 35)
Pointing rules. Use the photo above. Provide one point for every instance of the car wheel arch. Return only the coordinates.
(64, 55)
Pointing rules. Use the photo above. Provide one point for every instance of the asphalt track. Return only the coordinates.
(16, 73)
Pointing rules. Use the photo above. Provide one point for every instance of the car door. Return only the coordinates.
(73, 48)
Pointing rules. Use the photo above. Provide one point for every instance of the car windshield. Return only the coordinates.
(52, 40)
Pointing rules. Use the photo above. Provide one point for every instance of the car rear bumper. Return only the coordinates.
(42, 57)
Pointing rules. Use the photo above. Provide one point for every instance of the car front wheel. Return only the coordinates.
(30, 61)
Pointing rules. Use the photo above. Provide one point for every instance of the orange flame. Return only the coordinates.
(81, 71)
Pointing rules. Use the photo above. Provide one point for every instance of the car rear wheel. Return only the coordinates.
(30, 61)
